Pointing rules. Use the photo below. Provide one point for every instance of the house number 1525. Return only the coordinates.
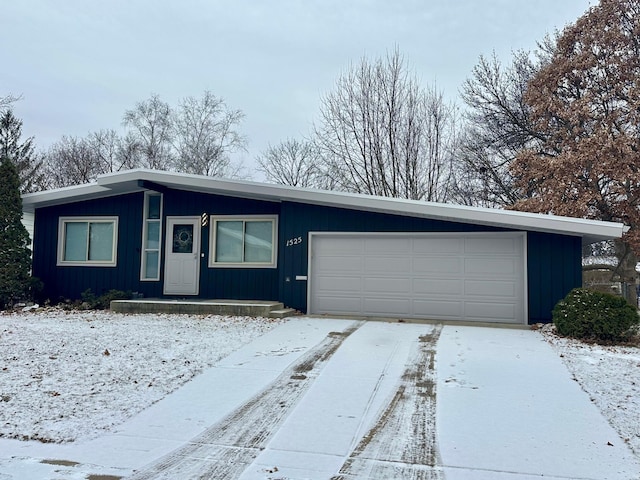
(294, 241)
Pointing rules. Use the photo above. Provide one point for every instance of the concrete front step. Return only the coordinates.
(283, 313)
(250, 308)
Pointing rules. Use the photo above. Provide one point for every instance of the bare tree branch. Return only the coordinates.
(291, 162)
(151, 124)
(381, 133)
(204, 135)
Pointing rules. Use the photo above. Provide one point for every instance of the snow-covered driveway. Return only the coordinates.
(339, 409)
(341, 399)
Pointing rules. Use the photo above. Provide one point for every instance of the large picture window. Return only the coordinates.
(87, 241)
(243, 241)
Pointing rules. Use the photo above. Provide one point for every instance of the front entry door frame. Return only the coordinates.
(182, 256)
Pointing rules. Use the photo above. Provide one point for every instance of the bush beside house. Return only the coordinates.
(591, 315)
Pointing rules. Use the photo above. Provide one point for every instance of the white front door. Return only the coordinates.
(182, 256)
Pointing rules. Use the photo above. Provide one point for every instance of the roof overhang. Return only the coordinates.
(131, 181)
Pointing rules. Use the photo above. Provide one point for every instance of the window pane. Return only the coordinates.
(153, 235)
(182, 239)
(151, 265)
(154, 206)
(258, 245)
(229, 242)
(75, 241)
(101, 242)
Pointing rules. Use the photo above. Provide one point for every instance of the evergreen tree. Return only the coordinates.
(15, 256)
(20, 153)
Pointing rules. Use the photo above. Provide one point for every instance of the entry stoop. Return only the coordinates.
(282, 313)
(249, 308)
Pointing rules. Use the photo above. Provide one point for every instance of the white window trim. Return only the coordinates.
(214, 219)
(143, 250)
(62, 221)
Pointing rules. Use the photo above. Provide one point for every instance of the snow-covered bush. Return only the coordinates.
(591, 315)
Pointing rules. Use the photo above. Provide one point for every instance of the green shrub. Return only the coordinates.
(590, 315)
(103, 302)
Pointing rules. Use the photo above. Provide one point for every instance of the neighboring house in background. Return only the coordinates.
(604, 274)
(322, 252)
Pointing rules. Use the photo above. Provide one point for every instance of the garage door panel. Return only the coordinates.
(386, 306)
(385, 264)
(438, 309)
(491, 266)
(387, 245)
(436, 265)
(461, 276)
(434, 246)
(424, 286)
(331, 263)
(387, 285)
(490, 311)
(335, 304)
(487, 287)
(346, 246)
(493, 245)
(339, 284)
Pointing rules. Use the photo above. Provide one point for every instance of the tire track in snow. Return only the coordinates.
(225, 449)
(402, 443)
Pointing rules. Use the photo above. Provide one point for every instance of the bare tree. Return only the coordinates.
(112, 152)
(71, 161)
(292, 162)
(380, 133)
(196, 139)
(129, 151)
(150, 122)
(498, 126)
(204, 135)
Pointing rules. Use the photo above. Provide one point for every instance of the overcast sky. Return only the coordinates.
(79, 64)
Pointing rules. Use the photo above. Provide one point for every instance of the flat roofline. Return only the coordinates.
(128, 182)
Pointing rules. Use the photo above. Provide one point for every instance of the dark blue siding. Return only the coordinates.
(553, 262)
(297, 220)
(554, 267)
(70, 282)
(232, 283)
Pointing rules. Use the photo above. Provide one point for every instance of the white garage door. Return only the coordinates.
(470, 277)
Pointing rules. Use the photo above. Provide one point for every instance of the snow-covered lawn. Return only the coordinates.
(71, 375)
(610, 375)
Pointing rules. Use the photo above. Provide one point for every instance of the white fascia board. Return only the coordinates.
(62, 195)
(590, 230)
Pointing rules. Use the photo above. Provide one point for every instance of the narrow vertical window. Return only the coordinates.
(151, 235)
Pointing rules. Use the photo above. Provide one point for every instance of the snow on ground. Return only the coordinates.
(610, 375)
(71, 375)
